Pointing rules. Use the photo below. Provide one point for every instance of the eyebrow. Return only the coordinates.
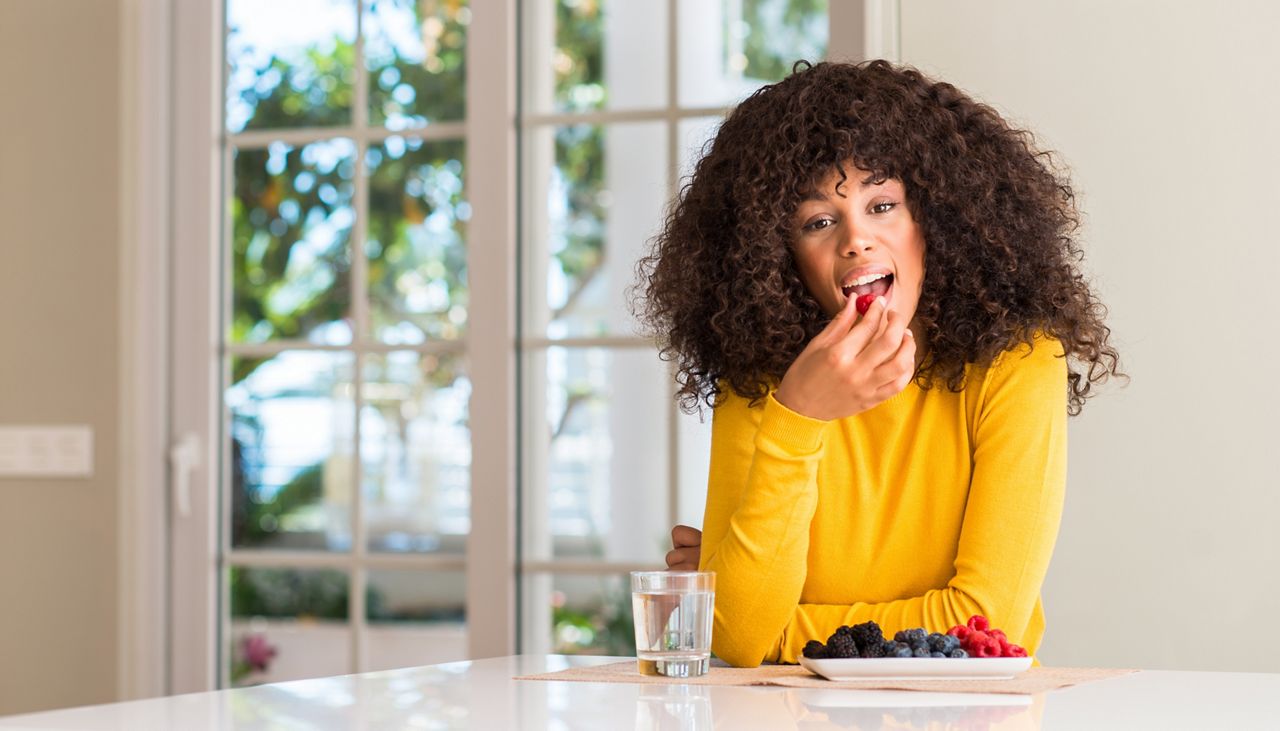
(817, 195)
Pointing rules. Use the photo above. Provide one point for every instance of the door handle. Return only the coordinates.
(184, 458)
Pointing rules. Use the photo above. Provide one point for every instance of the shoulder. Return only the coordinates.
(1028, 370)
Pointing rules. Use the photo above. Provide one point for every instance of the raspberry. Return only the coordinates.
(815, 650)
(981, 644)
(867, 634)
(960, 632)
(863, 303)
(1015, 651)
(979, 623)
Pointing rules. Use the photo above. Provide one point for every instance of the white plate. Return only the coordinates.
(917, 668)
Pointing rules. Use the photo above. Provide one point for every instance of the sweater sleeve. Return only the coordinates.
(1011, 515)
(761, 496)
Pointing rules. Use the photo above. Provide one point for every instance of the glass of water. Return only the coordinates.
(673, 611)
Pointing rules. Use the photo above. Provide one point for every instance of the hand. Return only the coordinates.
(851, 365)
(686, 549)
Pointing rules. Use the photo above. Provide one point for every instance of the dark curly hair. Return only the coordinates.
(720, 290)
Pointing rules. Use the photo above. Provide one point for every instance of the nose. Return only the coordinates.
(854, 242)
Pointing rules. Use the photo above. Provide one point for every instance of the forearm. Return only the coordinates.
(756, 535)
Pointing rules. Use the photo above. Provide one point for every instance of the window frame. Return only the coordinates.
(172, 201)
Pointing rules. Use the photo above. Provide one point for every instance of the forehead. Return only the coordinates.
(847, 180)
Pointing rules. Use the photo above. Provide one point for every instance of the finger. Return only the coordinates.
(861, 332)
(845, 319)
(898, 371)
(869, 331)
(682, 557)
(683, 535)
(882, 348)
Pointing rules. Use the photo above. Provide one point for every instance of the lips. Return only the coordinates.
(877, 284)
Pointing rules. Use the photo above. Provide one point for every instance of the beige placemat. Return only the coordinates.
(1035, 680)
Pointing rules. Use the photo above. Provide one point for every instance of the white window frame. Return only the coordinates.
(171, 203)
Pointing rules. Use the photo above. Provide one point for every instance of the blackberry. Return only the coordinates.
(939, 642)
(920, 652)
(841, 646)
(916, 638)
(957, 653)
(876, 650)
(815, 650)
(900, 649)
(866, 635)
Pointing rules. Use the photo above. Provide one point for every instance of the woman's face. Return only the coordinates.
(860, 239)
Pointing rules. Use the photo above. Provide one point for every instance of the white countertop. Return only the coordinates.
(482, 694)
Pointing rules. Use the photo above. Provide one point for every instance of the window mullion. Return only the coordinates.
(491, 356)
(360, 318)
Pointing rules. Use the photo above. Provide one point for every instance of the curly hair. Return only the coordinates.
(720, 290)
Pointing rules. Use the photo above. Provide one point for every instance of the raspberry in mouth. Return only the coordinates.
(867, 289)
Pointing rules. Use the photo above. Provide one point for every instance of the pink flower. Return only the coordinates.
(257, 651)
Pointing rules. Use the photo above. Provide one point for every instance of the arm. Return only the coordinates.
(1011, 516)
(761, 496)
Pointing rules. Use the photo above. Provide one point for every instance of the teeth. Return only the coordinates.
(865, 279)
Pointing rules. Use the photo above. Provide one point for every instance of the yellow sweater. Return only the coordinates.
(930, 507)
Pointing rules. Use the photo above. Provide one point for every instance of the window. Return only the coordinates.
(345, 339)
(618, 100)
(346, 382)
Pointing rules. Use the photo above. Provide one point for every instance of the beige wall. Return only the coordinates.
(1169, 555)
(59, 249)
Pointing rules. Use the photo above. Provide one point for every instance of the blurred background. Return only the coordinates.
(340, 294)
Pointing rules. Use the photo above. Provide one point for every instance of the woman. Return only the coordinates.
(905, 465)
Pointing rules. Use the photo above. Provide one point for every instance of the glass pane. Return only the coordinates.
(753, 42)
(604, 188)
(579, 614)
(287, 624)
(417, 230)
(290, 264)
(587, 55)
(416, 618)
(291, 419)
(695, 137)
(415, 450)
(596, 462)
(415, 53)
(290, 63)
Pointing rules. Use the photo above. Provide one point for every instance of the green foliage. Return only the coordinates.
(781, 32)
(288, 593)
(605, 628)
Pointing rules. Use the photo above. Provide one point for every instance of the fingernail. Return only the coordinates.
(880, 301)
(908, 333)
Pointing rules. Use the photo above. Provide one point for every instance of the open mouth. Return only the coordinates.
(878, 285)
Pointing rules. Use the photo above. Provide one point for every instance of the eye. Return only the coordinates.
(819, 224)
(883, 207)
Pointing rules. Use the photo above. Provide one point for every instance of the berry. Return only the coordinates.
(937, 654)
(876, 650)
(867, 634)
(960, 632)
(815, 650)
(916, 638)
(900, 649)
(958, 653)
(1015, 651)
(943, 643)
(841, 646)
(920, 652)
(863, 303)
(979, 623)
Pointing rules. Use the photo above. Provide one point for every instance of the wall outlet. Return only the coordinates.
(46, 451)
